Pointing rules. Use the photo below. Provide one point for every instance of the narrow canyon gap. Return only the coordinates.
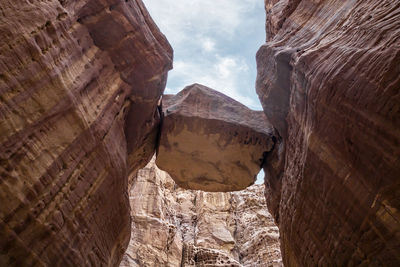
(80, 82)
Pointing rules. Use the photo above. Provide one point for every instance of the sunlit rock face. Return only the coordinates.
(211, 142)
(73, 76)
(176, 227)
(329, 79)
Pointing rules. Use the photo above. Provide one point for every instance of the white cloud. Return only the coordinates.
(226, 66)
(175, 17)
(210, 44)
(220, 73)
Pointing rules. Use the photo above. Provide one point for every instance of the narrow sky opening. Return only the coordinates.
(214, 42)
(260, 177)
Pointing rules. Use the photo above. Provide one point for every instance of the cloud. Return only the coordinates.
(227, 65)
(222, 73)
(215, 42)
(208, 44)
(203, 16)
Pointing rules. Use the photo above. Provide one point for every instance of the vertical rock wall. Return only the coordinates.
(77, 81)
(329, 81)
(176, 227)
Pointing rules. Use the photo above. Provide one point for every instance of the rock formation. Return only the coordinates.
(211, 142)
(176, 227)
(73, 76)
(80, 82)
(80, 85)
(329, 79)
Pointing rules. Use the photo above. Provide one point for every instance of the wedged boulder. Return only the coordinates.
(211, 142)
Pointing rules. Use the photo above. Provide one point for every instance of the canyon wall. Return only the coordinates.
(79, 87)
(329, 81)
(172, 226)
(80, 94)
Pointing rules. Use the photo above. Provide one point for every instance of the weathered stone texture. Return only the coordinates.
(211, 142)
(329, 79)
(73, 76)
(176, 227)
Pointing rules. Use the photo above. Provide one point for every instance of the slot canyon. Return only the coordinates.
(83, 112)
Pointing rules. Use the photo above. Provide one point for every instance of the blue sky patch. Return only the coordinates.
(215, 43)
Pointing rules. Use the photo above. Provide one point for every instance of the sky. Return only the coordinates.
(215, 43)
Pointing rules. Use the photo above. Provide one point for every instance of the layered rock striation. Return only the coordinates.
(79, 87)
(211, 142)
(329, 79)
(172, 226)
(80, 84)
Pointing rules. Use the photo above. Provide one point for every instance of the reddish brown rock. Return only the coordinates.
(211, 142)
(329, 79)
(73, 76)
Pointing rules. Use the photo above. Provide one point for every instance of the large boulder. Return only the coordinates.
(211, 142)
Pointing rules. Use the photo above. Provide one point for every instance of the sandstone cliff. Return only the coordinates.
(81, 83)
(79, 86)
(176, 227)
(329, 81)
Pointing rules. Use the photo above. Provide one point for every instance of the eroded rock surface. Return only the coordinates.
(211, 142)
(176, 227)
(73, 76)
(329, 79)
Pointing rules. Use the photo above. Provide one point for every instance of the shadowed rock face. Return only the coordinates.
(73, 76)
(211, 142)
(329, 79)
